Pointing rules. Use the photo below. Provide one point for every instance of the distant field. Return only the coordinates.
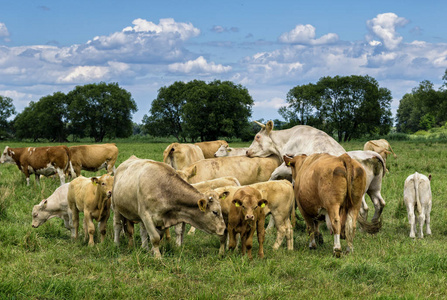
(44, 263)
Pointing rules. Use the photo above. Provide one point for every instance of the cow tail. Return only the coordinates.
(349, 169)
(416, 191)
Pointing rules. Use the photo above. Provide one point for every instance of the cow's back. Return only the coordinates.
(180, 156)
(80, 191)
(209, 148)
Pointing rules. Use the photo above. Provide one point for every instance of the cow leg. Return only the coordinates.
(75, 214)
(90, 227)
(427, 219)
(411, 220)
(421, 221)
(232, 239)
(336, 228)
(102, 226)
(118, 220)
(129, 229)
(350, 225)
(223, 241)
(261, 237)
(311, 228)
(153, 234)
(144, 237)
(378, 207)
(281, 229)
(179, 233)
(61, 174)
(271, 223)
(289, 234)
(364, 209)
(37, 176)
(192, 230)
(247, 243)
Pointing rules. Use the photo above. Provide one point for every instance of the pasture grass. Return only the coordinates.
(44, 263)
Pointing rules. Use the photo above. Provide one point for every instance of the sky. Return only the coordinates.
(268, 47)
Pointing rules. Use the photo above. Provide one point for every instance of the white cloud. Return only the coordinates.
(274, 103)
(184, 31)
(384, 27)
(198, 66)
(4, 33)
(305, 34)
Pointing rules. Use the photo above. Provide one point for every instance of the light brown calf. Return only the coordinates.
(332, 185)
(380, 146)
(91, 196)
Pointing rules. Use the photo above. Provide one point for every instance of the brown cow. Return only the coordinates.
(380, 146)
(45, 161)
(93, 158)
(180, 156)
(209, 148)
(91, 196)
(247, 215)
(332, 185)
(246, 170)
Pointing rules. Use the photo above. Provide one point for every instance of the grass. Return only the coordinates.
(44, 263)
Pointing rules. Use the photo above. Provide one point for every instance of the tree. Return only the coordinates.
(100, 110)
(7, 109)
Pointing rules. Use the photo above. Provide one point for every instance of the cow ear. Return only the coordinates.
(202, 204)
(229, 149)
(289, 161)
(262, 203)
(43, 203)
(224, 195)
(269, 126)
(95, 180)
(429, 177)
(237, 202)
(193, 173)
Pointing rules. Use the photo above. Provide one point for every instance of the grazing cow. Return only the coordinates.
(332, 185)
(246, 170)
(247, 215)
(380, 146)
(93, 158)
(91, 196)
(417, 193)
(160, 201)
(54, 206)
(281, 204)
(300, 139)
(209, 148)
(39, 160)
(180, 156)
(228, 151)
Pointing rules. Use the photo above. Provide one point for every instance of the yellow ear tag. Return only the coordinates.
(263, 204)
(288, 163)
(95, 183)
(224, 196)
(236, 204)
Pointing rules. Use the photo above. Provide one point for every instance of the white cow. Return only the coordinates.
(417, 193)
(225, 150)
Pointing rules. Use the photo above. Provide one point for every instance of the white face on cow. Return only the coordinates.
(39, 214)
(213, 219)
(6, 156)
(222, 151)
(263, 145)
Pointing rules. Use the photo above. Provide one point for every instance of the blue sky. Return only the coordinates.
(267, 46)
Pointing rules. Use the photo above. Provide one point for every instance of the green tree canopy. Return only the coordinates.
(7, 109)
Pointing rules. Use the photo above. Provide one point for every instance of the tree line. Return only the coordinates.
(346, 107)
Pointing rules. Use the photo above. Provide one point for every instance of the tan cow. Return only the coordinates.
(246, 170)
(93, 158)
(332, 185)
(281, 205)
(209, 148)
(229, 151)
(45, 161)
(91, 196)
(180, 156)
(247, 215)
(380, 146)
(153, 193)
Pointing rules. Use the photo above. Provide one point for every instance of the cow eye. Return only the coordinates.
(216, 213)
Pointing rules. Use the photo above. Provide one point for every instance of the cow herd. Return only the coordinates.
(224, 191)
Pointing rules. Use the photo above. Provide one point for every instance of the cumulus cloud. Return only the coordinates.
(199, 66)
(305, 34)
(4, 33)
(383, 26)
(221, 29)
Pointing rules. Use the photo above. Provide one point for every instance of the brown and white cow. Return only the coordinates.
(380, 146)
(54, 206)
(247, 215)
(229, 151)
(153, 193)
(209, 148)
(417, 195)
(281, 204)
(180, 156)
(332, 185)
(45, 161)
(93, 158)
(92, 197)
(246, 170)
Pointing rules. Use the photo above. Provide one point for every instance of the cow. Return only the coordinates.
(92, 197)
(229, 151)
(209, 148)
(247, 215)
(417, 194)
(153, 193)
(380, 146)
(180, 156)
(93, 158)
(54, 206)
(281, 205)
(246, 170)
(45, 161)
(332, 185)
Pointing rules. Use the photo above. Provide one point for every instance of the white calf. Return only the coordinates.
(417, 193)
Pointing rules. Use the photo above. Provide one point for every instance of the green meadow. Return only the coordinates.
(44, 263)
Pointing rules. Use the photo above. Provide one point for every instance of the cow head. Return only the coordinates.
(250, 202)
(212, 219)
(104, 185)
(263, 145)
(40, 215)
(294, 163)
(7, 156)
(223, 150)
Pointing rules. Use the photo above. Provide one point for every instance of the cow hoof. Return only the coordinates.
(337, 253)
